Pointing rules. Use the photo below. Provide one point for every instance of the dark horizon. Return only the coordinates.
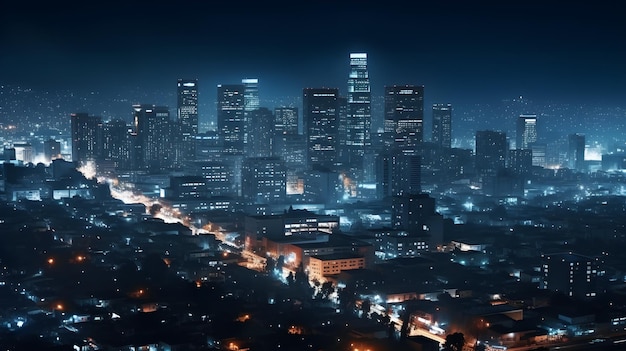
(460, 52)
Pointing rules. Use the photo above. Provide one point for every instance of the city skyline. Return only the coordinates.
(354, 175)
(532, 49)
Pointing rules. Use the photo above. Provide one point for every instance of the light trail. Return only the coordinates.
(154, 207)
(126, 193)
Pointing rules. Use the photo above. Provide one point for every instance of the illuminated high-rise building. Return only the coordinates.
(576, 151)
(359, 118)
(526, 131)
(217, 175)
(251, 102)
(230, 118)
(260, 136)
(117, 143)
(539, 151)
(85, 137)
(286, 120)
(288, 144)
(265, 180)
(321, 117)
(398, 174)
(404, 115)
(251, 94)
(442, 125)
(153, 137)
(520, 162)
(187, 116)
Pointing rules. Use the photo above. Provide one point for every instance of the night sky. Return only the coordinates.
(460, 50)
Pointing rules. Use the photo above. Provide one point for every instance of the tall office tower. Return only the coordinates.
(526, 131)
(285, 130)
(265, 180)
(398, 174)
(442, 125)
(286, 120)
(520, 162)
(491, 152)
(293, 151)
(85, 137)
(404, 115)
(153, 137)
(359, 118)
(230, 118)
(342, 127)
(576, 152)
(321, 109)
(251, 94)
(51, 150)
(260, 136)
(250, 103)
(117, 144)
(187, 117)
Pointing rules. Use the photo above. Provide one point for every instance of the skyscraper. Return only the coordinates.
(442, 125)
(526, 131)
(187, 116)
(321, 109)
(260, 136)
(404, 115)
(359, 118)
(117, 143)
(152, 127)
(85, 137)
(265, 180)
(230, 118)
(286, 132)
(286, 120)
(520, 162)
(251, 94)
(576, 151)
(251, 102)
(491, 151)
(398, 174)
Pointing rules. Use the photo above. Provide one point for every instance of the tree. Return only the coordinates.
(270, 265)
(347, 298)
(454, 342)
(280, 262)
(291, 279)
(301, 277)
(366, 306)
(327, 289)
